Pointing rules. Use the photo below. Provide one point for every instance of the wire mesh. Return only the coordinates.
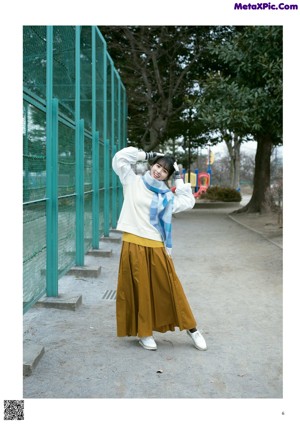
(64, 73)
(66, 197)
(101, 107)
(35, 59)
(34, 209)
(88, 193)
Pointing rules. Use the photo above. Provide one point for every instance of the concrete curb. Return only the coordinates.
(254, 230)
(32, 354)
(214, 205)
(63, 301)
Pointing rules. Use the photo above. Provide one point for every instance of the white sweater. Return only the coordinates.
(135, 214)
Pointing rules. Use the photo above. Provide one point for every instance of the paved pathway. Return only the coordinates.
(233, 280)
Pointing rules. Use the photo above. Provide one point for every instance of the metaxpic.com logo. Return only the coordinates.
(265, 6)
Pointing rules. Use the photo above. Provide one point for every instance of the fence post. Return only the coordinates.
(79, 146)
(114, 194)
(26, 152)
(80, 194)
(118, 147)
(106, 189)
(122, 143)
(51, 176)
(95, 213)
(52, 205)
(95, 151)
(113, 149)
(105, 144)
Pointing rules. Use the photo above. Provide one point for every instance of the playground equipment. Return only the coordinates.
(191, 178)
(203, 183)
(200, 181)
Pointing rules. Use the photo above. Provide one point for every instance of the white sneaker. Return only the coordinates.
(198, 340)
(148, 343)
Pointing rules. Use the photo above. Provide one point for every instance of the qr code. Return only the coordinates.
(14, 409)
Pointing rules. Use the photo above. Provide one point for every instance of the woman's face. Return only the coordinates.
(158, 172)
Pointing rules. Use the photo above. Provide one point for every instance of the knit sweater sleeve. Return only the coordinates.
(122, 163)
(183, 197)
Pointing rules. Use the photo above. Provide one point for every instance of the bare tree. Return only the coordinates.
(158, 67)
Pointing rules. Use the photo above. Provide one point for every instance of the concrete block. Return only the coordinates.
(114, 231)
(103, 253)
(92, 271)
(32, 354)
(62, 301)
(113, 238)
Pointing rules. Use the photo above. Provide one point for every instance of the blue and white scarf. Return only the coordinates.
(161, 208)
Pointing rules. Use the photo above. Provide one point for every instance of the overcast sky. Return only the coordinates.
(247, 148)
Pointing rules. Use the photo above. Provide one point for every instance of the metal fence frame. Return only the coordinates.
(114, 117)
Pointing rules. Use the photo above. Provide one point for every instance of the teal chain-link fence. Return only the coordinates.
(75, 117)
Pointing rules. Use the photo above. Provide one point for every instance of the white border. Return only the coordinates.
(154, 12)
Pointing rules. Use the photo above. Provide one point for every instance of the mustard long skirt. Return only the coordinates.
(150, 296)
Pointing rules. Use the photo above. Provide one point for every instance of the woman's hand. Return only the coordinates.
(176, 173)
(152, 155)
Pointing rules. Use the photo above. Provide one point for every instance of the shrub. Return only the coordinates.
(222, 194)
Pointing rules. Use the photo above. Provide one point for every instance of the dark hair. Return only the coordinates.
(167, 162)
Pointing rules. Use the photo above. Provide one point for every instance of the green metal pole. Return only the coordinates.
(51, 175)
(79, 144)
(106, 189)
(95, 206)
(113, 150)
(123, 142)
(106, 223)
(95, 153)
(119, 186)
(114, 193)
(53, 290)
(52, 209)
(80, 197)
(26, 161)
(119, 114)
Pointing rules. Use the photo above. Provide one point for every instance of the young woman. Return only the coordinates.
(149, 294)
